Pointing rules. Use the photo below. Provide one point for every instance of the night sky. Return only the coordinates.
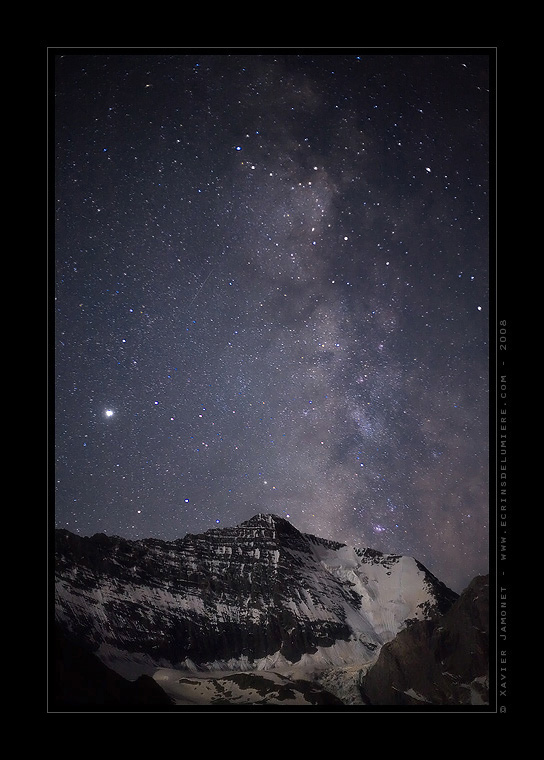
(271, 294)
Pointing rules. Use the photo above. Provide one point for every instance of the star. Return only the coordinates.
(299, 313)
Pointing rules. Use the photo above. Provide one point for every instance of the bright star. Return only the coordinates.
(109, 413)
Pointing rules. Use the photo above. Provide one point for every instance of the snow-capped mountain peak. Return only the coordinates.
(258, 595)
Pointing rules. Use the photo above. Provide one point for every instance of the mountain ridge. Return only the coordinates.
(440, 661)
(255, 596)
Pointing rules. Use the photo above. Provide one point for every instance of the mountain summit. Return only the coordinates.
(261, 595)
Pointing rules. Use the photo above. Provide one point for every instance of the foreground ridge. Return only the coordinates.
(442, 661)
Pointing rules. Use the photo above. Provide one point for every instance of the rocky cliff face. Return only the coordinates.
(261, 594)
(438, 662)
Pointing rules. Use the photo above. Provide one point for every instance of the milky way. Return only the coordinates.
(272, 295)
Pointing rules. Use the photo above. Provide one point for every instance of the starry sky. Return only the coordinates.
(270, 293)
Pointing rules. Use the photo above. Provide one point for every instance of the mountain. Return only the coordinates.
(261, 596)
(438, 662)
